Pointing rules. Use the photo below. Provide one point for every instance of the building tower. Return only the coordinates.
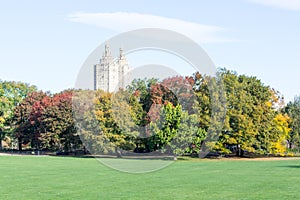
(108, 74)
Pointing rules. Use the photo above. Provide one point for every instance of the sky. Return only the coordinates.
(46, 42)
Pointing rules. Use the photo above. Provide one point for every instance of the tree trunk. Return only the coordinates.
(242, 153)
(202, 150)
(119, 154)
(20, 144)
(237, 153)
(1, 139)
(84, 150)
(290, 145)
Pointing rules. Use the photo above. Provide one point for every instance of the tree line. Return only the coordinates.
(227, 114)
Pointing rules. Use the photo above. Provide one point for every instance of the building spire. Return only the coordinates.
(107, 49)
(121, 53)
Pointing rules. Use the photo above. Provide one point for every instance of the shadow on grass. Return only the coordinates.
(115, 157)
(291, 166)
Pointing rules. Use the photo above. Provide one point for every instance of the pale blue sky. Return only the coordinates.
(46, 42)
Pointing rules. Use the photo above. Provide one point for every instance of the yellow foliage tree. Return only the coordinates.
(280, 137)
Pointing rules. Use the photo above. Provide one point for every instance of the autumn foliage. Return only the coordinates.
(227, 114)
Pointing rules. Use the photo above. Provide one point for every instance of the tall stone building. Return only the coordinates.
(109, 74)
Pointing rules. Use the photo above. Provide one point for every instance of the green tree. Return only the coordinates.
(189, 135)
(11, 94)
(210, 108)
(167, 126)
(249, 117)
(293, 110)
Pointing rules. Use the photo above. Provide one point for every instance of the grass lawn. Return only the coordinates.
(33, 177)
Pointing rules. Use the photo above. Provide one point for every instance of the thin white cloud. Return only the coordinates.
(124, 21)
(284, 4)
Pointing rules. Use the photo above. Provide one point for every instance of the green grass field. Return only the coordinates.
(33, 177)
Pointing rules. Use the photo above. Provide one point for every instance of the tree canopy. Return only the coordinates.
(227, 114)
